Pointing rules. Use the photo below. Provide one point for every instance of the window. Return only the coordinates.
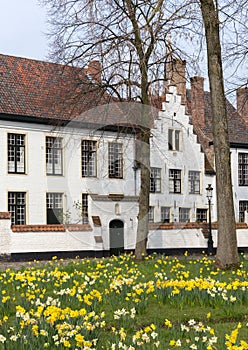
(54, 155)
(151, 214)
(184, 214)
(194, 182)
(54, 203)
(201, 215)
(88, 158)
(155, 180)
(85, 215)
(165, 214)
(243, 206)
(17, 207)
(16, 153)
(243, 169)
(175, 181)
(174, 140)
(115, 157)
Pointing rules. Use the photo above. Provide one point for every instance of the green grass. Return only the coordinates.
(119, 303)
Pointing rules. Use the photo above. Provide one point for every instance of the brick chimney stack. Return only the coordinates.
(242, 102)
(94, 69)
(197, 101)
(176, 76)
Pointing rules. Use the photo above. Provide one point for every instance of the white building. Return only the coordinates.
(70, 159)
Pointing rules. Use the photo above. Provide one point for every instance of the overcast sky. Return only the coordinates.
(22, 29)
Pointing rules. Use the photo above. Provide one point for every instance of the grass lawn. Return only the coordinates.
(119, 303)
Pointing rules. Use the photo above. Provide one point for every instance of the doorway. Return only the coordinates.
(116, 237)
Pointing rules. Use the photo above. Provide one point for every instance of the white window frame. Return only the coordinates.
(89, 158)
(115, 160)
(194, 180)
(175, 181)
(16, 153)
(243, 169)
(174, 139)
(54, 156)
(165, 214)
(151, 214)
(184, 214)
(17, 207)
(155, 180)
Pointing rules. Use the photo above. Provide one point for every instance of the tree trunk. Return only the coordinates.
(227, 252)
(144, 161)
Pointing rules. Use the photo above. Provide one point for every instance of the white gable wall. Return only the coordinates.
(189, 158)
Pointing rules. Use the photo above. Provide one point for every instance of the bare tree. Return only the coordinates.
(227, 252)
(129, 39)
(233, 18)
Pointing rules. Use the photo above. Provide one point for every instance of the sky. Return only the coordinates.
(22, 29)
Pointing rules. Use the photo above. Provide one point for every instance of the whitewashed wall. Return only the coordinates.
(50, 241)
(5, 236)
(240, 193)
(35, 182)
(188, 158)
(188, 238)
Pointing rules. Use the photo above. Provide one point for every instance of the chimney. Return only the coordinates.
(197, 101)
(176, 76)
(242, 102)
(94, 69)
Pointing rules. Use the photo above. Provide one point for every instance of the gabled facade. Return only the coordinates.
(177, 166)
(71, 158)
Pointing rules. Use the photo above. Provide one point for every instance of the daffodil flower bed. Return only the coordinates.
(119, 303)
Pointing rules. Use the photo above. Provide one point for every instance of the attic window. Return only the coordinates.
(174, 140)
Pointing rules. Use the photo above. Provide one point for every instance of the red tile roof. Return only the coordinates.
(44, 90)
(38, 228)
(78, 227)
(5, 215)
(51, 228)
(52, 91)
(237, 127)
(31, 88)
(190, 225)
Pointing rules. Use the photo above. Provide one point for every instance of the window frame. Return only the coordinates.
(56, 152)
(151, 214)
(117, 162)
(89, 158)
(182, 213)
(155, 180)
(85, 208)
(242, 169)
(244, 204)
(193, 182)
(15, 208)
(165, 212)
(175, 181)
(16, 151)
(174, 140)
(54, 207)
(199, 215)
